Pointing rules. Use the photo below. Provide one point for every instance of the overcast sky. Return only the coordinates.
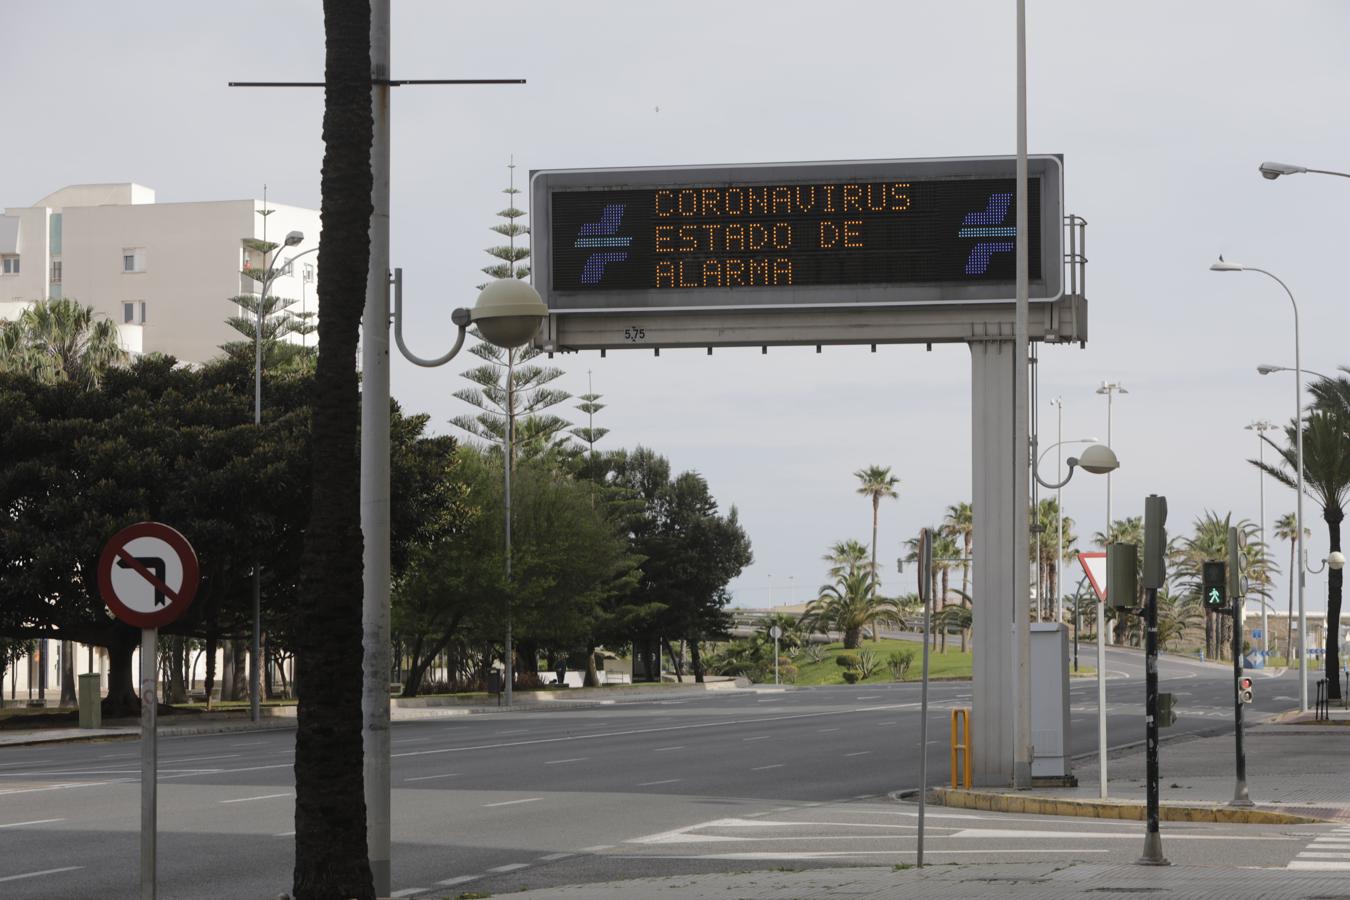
(1162, 111)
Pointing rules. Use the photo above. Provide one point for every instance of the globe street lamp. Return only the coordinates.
(507, 314)
(1224, 266)
(1099, 460)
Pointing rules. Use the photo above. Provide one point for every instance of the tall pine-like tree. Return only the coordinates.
(507, 386)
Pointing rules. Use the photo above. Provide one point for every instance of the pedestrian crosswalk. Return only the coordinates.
(1329, 852)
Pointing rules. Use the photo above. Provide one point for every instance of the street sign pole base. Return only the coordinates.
(1153, 855)
(1240, 797)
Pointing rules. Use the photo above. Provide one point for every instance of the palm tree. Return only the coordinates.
(60, 340)
(847, 556)
(1209, 541)
(960, 523)
(876, 482)
(849, 604)
(1326, 475)
(331, 858)
(1286, 529)
(1047, 515)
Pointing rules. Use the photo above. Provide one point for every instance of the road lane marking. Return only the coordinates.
(1310, 855)
(805, 855)
(762, 768)
(558, 762)
(284, 834)
(825, 730)
(664, 749)
(664, 781)
(262, 797)
(509, 867)
(1004, 833)
(687, 726)
(33, 822)
(411, 741)
(511, 802)
(459, 879)
(553, 857)
(408, 892)
(597, 848)
(63, 787)
(516, 731)
(183, 759)
(758, 737)
(858, 753)
(43, 872)
(430, 777)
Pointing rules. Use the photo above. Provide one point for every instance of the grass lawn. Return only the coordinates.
(952, 664)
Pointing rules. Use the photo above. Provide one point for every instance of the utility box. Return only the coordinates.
(1049, 700)
(90, 697)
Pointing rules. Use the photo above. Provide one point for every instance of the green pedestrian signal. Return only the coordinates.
(1214, 586)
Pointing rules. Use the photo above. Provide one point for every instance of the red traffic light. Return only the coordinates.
(1245, 683)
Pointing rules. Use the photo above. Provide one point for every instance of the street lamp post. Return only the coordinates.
(1261, 426)
(1273, 170)
(1222, 266)
(1098, 460)
(1059, 509)
(269, 275)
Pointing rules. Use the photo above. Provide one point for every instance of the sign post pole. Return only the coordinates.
(149, 760)
(926, 594)
(1240, 795)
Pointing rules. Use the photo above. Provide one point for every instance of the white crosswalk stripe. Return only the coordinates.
(1328, 852)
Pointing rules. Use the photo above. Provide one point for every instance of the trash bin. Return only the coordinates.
(91, 709)
(494, 682)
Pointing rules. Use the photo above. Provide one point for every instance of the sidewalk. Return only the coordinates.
(1041, 881)
(1295, 772)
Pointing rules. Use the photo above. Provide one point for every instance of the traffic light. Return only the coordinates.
(1214, 586)
(1122, 575)
(1244, 685)
(1167, 710)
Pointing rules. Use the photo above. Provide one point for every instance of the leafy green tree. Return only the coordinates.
(1209, 541)
(876, 482)
(331, 858)
(278, 323)
(1326, 464)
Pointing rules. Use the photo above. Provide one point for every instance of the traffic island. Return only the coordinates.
(1042, 805)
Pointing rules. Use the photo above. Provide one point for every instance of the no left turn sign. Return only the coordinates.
(148, 574)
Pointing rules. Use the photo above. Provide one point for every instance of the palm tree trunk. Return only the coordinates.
(1335, 579)
(876, 511)
(1289, 619)
(331, 858)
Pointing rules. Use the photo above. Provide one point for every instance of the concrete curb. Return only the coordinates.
(1033, 804)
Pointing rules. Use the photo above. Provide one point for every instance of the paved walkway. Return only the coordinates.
(1041, 881)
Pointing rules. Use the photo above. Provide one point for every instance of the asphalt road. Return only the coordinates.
(499, 802)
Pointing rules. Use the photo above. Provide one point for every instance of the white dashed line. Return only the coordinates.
(37, 874)
(263, 797)
(664, 749)
(461, 879)
(758, 737)
(650, 783)
(509, 867)
(511, 802)
(430, 777)
(33, 822)
(558, 762)
(762, 768)
(859, 753)
(408, 892)
(597, 848)
(554, 857)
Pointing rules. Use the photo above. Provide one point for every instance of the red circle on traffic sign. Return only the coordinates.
(148, 574)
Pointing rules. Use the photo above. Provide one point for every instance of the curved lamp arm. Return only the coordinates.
(1072, 461)
(460, 317)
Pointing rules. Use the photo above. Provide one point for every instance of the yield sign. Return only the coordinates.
(148, 574)
(1094, 565)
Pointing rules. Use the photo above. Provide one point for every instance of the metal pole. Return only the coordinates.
(1022, 749)
(1265, 607)
(1152, 838)
(149, 761)
(925, 567)
(507, 446)
(375, 470)
(1059, 512)
(1302, 554)
(1240, 795)
(1101, 633)
(775, 658)
(253, 705)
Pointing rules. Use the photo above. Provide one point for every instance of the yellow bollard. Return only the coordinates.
(961, 746)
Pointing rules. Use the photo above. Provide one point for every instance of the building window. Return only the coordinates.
(128, 313)
(142, 312)
(308, 273)
(56, 271)
(11, 265)
(133, 259)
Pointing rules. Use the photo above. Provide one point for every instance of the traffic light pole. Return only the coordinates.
(1155, 514)
(1240, 796)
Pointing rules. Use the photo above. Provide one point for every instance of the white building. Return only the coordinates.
(162, 271)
